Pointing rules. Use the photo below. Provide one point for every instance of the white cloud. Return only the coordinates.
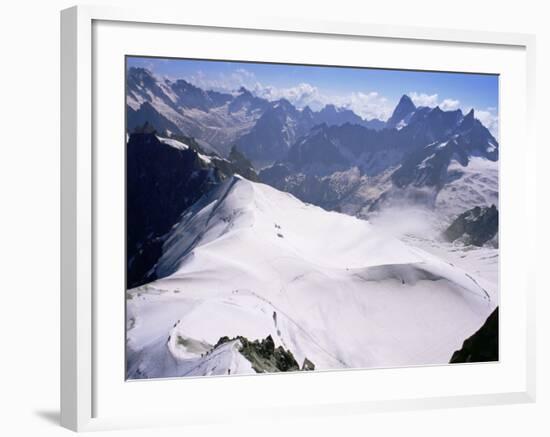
(449, 104)
(368, 105)
(489, 119)
(301, 95)
(488, 116)
(223, 81)
(422, 99)
(432, 100)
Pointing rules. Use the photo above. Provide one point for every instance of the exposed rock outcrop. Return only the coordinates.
(481, 346)
(265, 357)
(476, 226)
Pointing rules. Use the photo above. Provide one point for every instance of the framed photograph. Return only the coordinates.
(291, 218)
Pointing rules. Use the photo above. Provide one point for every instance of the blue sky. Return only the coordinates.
(372, 93)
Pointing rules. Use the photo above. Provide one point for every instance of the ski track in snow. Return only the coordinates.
(250, 260)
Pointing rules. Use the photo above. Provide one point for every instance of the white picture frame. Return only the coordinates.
(79, 231)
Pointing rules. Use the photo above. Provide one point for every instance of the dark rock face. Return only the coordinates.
(481, 346)
(236, 164)
(274, 132)
(476, 226)
(428, 166)
(402, 112)
(333, 148)
(319, 149)
(161, 183)
(428, 125)
(265, 357)
(478, 139)
(282, 125)
(307, 365)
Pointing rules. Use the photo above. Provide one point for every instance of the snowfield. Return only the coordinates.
(473, 185)
(249, 260)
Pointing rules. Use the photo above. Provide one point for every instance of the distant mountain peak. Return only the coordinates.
(329, 108)
(140, 70)
(402, 112)
(183, 82)
(285, 102)
(243, 90)
(284, 105)
(406, 100)
(468, 121)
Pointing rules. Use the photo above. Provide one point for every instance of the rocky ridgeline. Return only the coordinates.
(476, 226)
(162, 182)
(265, 357)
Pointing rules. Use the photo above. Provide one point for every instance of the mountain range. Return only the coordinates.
(332, 158)
(261, 237)
(355, 169)
(264, 130)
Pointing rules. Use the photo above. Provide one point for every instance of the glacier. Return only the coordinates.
(250, 260)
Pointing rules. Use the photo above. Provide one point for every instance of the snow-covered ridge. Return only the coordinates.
(248, 260)
(173, 143)
(476, 184)
(182, 146)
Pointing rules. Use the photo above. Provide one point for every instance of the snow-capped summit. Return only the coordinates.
(248, 260)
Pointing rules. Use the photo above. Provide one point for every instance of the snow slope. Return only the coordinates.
(250, 260)
(473, 185)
